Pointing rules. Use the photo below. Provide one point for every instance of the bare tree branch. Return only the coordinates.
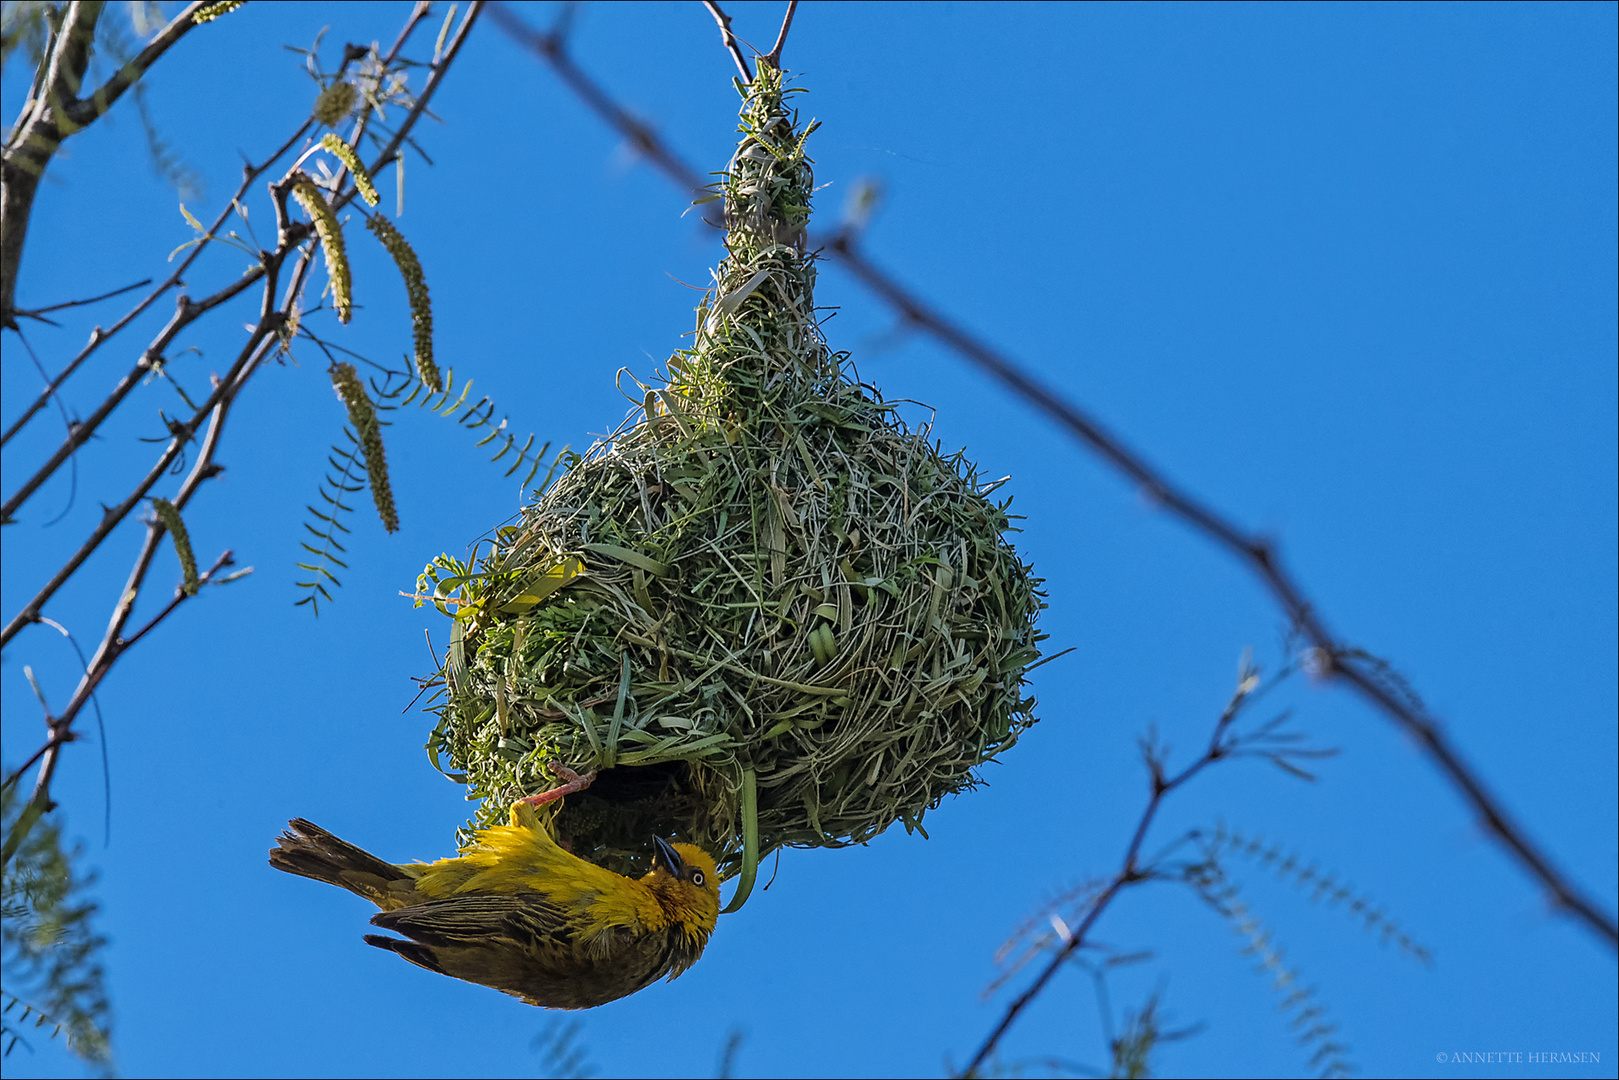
(99, 337)
(262, 339)
(728, 39)
(291, 239)
(54, 114)
(186, 312)
(1334, 659)
(85, 111)
(1223, 745)
(35, 313)
(774, 55)
(112, 647)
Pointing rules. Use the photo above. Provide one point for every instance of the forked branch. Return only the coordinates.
(774, 55)
(728, 39)
(56, 112)
(1224, 745)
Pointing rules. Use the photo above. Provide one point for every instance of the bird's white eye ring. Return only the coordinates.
(696, 877)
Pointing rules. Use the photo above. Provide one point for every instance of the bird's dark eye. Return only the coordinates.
(697, 877)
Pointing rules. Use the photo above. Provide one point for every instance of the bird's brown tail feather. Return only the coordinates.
(310, 851)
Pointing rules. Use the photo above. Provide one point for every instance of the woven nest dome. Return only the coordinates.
(765, 610)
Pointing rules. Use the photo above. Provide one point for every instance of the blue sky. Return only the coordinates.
(1348, 271)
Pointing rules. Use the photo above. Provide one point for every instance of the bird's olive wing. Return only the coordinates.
(523, 945)
(523, 919)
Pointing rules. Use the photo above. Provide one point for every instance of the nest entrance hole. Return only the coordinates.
(623, 808)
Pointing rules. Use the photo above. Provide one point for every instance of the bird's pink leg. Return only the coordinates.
(574, 782)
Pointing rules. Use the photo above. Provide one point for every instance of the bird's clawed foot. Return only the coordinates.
(572, 782)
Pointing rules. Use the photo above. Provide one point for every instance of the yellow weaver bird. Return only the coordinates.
(518, 913)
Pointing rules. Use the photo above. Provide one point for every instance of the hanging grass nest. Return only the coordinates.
(765, 610)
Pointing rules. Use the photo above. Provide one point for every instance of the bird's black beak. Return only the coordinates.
(669, 857)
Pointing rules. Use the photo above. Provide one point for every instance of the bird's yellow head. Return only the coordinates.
(687, 885)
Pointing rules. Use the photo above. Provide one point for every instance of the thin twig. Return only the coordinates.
(55, 740)
(1130, 872)
(186, 312)
(774, 55)
(37, 312)
(99, 337)
(226, 559)
(729, 39)
(1337, 661)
